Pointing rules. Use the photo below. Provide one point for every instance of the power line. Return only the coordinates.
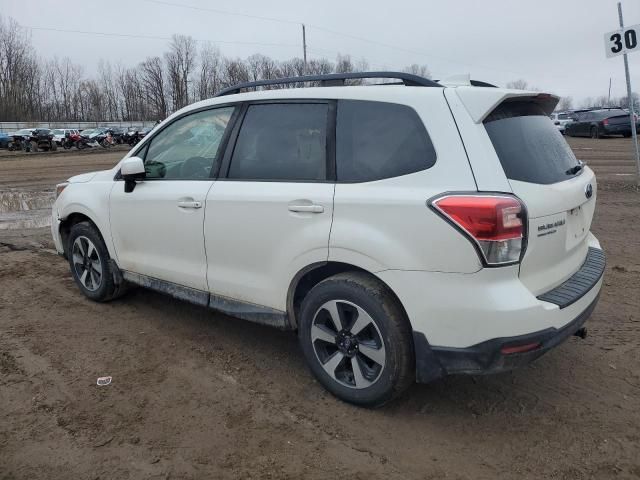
(327, 30)
(155, 37)
(224, 12)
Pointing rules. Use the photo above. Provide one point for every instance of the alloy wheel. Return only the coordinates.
(87, 263)
(348, 344)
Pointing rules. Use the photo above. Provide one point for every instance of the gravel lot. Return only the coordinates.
(196, 394)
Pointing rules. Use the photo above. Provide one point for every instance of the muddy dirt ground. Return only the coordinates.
(197, 394)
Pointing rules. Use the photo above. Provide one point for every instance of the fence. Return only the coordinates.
(12, 126)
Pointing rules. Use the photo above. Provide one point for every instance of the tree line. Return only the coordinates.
(36, 89)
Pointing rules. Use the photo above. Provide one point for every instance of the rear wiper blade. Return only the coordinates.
(576, 169)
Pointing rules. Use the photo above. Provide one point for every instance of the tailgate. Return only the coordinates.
(560, 217)
(558, 191)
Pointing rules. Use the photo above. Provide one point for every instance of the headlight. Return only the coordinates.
(60, 187)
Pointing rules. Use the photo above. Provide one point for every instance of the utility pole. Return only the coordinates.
(304, 48)
(609, 100)
(632, 113)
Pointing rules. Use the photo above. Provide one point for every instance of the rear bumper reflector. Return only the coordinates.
(580, 283)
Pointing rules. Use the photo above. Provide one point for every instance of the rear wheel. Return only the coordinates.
(626, 135)
(356, 339)
(594, 132)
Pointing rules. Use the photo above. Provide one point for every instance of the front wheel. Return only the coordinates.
(356, 339)
(89, 262)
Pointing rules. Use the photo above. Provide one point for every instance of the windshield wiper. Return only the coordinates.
(576, 169)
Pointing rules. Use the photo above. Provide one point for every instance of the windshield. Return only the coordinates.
(529, 146)
(563, 116)
(24, 131)
(58, 132)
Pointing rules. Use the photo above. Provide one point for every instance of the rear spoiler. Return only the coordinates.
(480, 102)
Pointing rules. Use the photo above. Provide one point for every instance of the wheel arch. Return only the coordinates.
(72, 219)
(311, 275)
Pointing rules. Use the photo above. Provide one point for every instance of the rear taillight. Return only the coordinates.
(605, 121)
(496, 224)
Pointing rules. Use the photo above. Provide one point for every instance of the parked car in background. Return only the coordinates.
(43, 139)
(4, 140)
(406, 233)
(560, 120)
(20, 139)
(59, 134)
(600, 122)
(118, 134)
(32, 139)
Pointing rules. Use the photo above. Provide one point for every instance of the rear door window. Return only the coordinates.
(376, 140)
(286, 141)
(529, 146)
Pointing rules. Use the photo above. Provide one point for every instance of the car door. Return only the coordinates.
(270, 214)
(585, 124)
(157, 228)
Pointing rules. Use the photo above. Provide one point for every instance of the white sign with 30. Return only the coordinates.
(624, 40)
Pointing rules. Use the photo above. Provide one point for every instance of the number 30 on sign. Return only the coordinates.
(622, 41)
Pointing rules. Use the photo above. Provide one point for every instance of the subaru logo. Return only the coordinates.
(588, 191)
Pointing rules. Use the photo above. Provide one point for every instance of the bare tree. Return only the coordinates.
(565, 103)
(420, 70)
(234, 71)
(180, 60)
(519, 84)
(153, 82)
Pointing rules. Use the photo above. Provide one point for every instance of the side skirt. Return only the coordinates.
(231, 307)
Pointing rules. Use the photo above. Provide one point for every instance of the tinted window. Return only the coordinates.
(610, 113)
(376, 140)
(528, 145)
(188, 148)
(282, 142)
(563, 116)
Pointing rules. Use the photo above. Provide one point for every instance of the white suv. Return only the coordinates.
(560, 120)
(405, 232)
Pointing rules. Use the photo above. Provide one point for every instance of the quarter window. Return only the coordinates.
(188, 148)
(376, 140)
(282, 142)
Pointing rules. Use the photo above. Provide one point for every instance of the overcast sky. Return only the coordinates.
(555, 45)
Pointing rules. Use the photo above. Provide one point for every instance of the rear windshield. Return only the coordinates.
(529, 146)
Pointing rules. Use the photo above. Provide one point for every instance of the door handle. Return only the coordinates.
(189, 204)
(306, 208)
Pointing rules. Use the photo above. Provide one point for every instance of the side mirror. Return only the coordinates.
(132, 169)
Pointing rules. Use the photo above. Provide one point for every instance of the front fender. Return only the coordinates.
(90, 199)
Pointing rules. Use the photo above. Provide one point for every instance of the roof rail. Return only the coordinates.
(334, 79)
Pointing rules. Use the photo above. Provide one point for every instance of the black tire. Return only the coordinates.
(66, 145)
(594, 132)
(389, 325)
(54, 146)
(626, 135)
(105, 289)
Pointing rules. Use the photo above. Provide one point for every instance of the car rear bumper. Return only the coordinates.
(490, 356)
(461, 322)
